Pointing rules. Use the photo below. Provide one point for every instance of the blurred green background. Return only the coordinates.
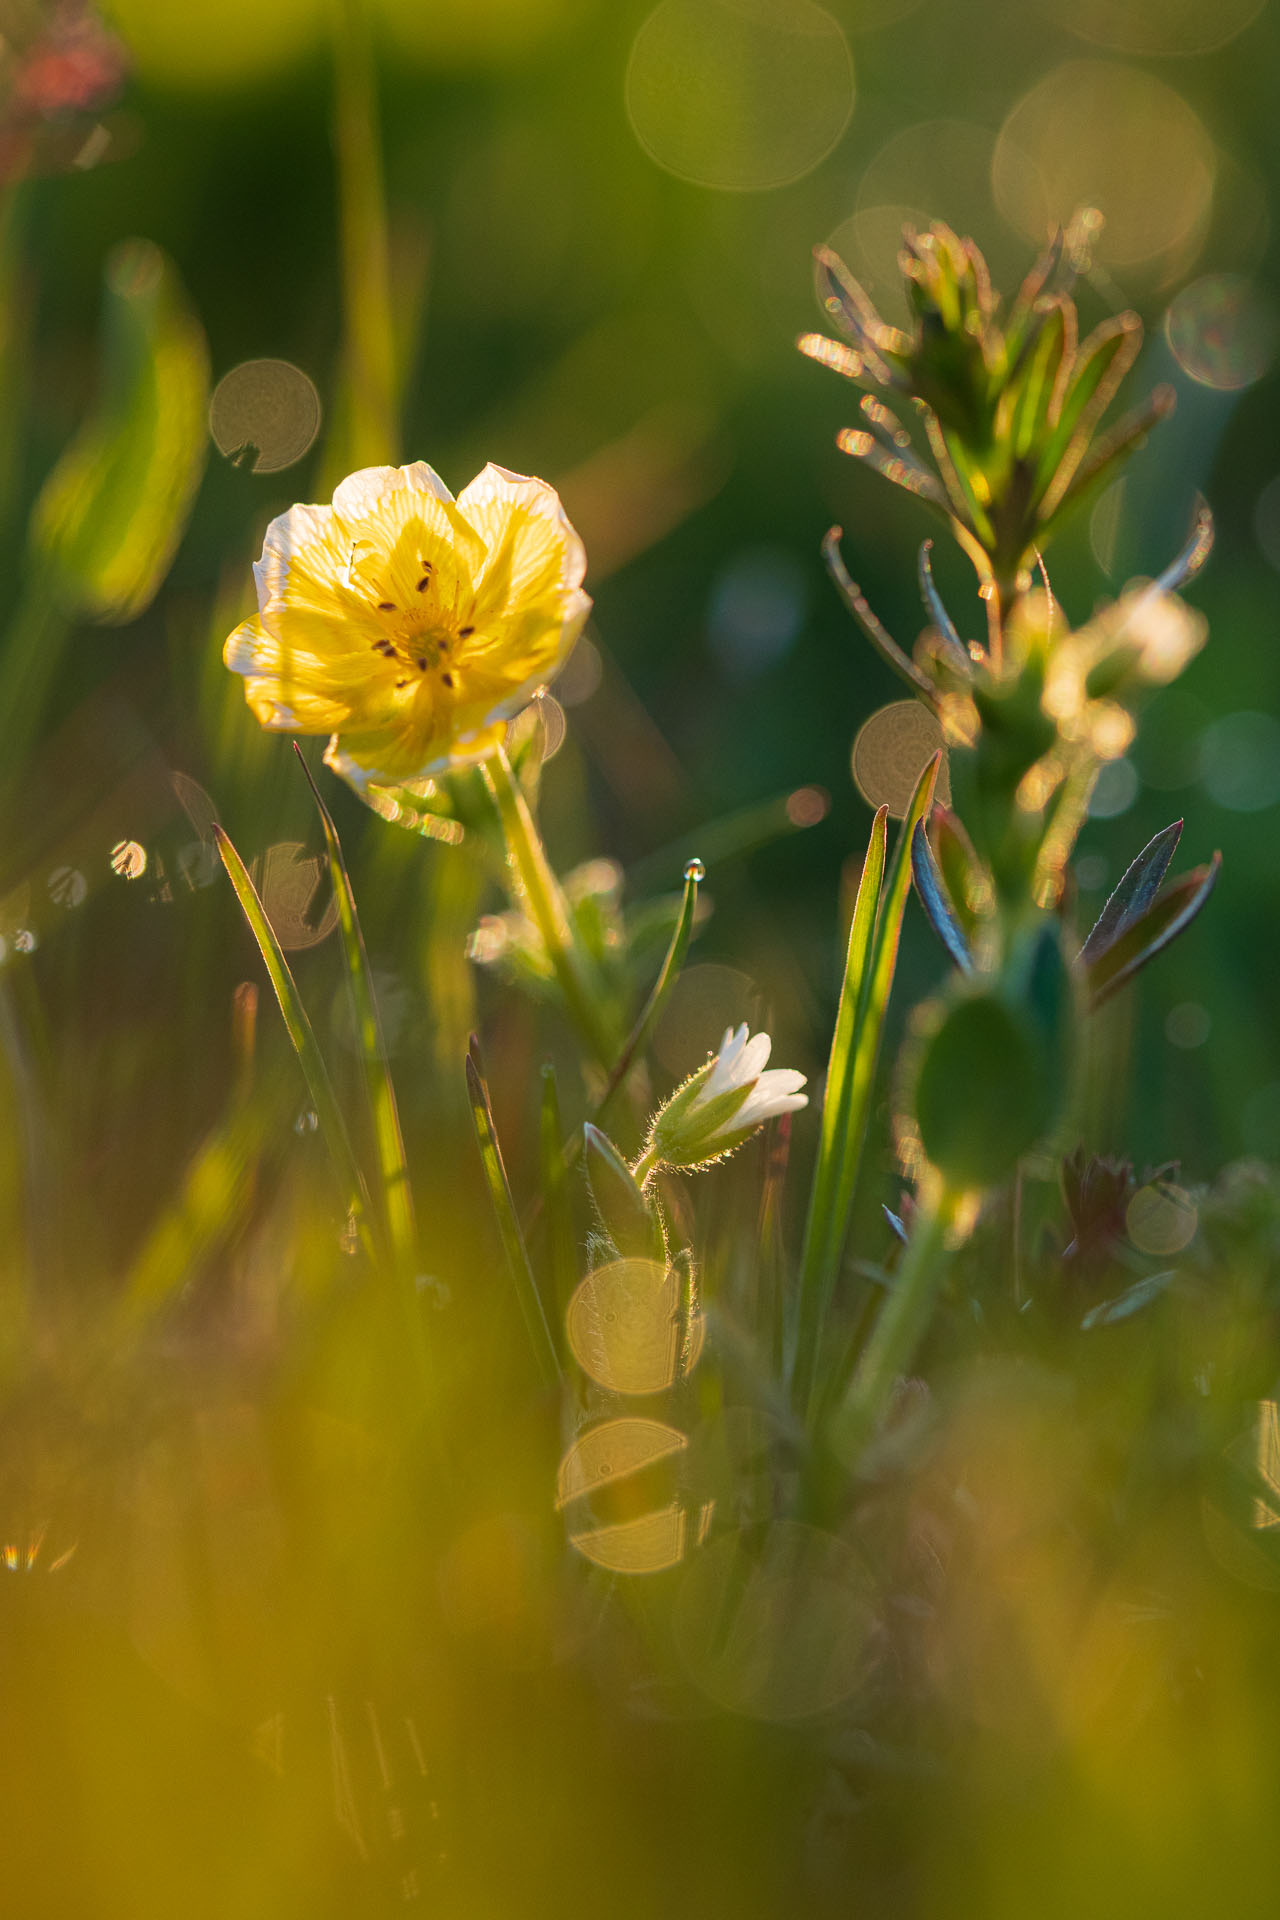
(600, 219)
(600, 222)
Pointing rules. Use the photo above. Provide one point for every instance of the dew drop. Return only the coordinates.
(695, 870)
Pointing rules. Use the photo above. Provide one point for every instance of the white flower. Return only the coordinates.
(720, 1105)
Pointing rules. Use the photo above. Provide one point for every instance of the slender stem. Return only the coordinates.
(366, 274)
(543, 899)
(903, 1322)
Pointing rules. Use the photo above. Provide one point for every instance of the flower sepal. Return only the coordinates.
(720, 1106)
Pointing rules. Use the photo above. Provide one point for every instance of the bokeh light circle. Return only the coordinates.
(1095, 133)
(742, 95)
(269, 407)
(1156, 26)
(1161, 1218)
(1220, 332)
(934, 170)
(891, 751)
(1240, 761)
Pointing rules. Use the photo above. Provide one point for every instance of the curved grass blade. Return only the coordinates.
(852, 595)
(936, 610)
(393, 1169)
(296, 1020)
(933, 898)
(668, 974)
(1193, 556)
(1139, 885)
(1164, 920)
(531, 1308)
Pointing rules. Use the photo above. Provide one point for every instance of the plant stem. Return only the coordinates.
(372, 430)
(903, 1321)
(540, 893)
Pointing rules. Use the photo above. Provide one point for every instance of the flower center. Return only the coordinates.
(422, 637)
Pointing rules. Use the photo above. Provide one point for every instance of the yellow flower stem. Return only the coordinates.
(541, 896)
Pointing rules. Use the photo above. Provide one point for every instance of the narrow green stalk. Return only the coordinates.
(372, 427)
(542, 898)
(855, 1048)
(903, 1321)
(397, 1192)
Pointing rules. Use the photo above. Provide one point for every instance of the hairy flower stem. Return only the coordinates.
(539, 892)
(902, 1324)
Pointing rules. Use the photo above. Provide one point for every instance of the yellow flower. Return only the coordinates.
(408, 625)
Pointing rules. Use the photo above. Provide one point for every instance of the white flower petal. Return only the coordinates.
(359, 494)
(755, 1057)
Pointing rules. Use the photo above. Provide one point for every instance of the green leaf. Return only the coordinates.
(932, 891)
(396, 1191)
(532, 1309)
(328, 1113)
(1096, 472)
(1167, 916)
(111, 513)
(1138, 887)
(1100, 365)
(1040, 375)
(627, 1216)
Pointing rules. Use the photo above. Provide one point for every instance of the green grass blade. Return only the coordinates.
(396, 1191)
(668, 974)
(855, 1052)
(816, 1278)
(495, 1173)
(296, 1020)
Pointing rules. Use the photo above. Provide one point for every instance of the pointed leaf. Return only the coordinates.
(626, 1213)
(1164, 920)
(936, 610)
(1100, 365)
(933, 898)
(1138, 887)
(1102, 464)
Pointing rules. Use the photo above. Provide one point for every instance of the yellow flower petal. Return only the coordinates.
(408, 625)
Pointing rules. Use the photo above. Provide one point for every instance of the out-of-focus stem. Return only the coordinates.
(373, 429)
(542, 898)
(903, 1322)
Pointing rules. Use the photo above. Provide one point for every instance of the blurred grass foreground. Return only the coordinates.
(619, 1289)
